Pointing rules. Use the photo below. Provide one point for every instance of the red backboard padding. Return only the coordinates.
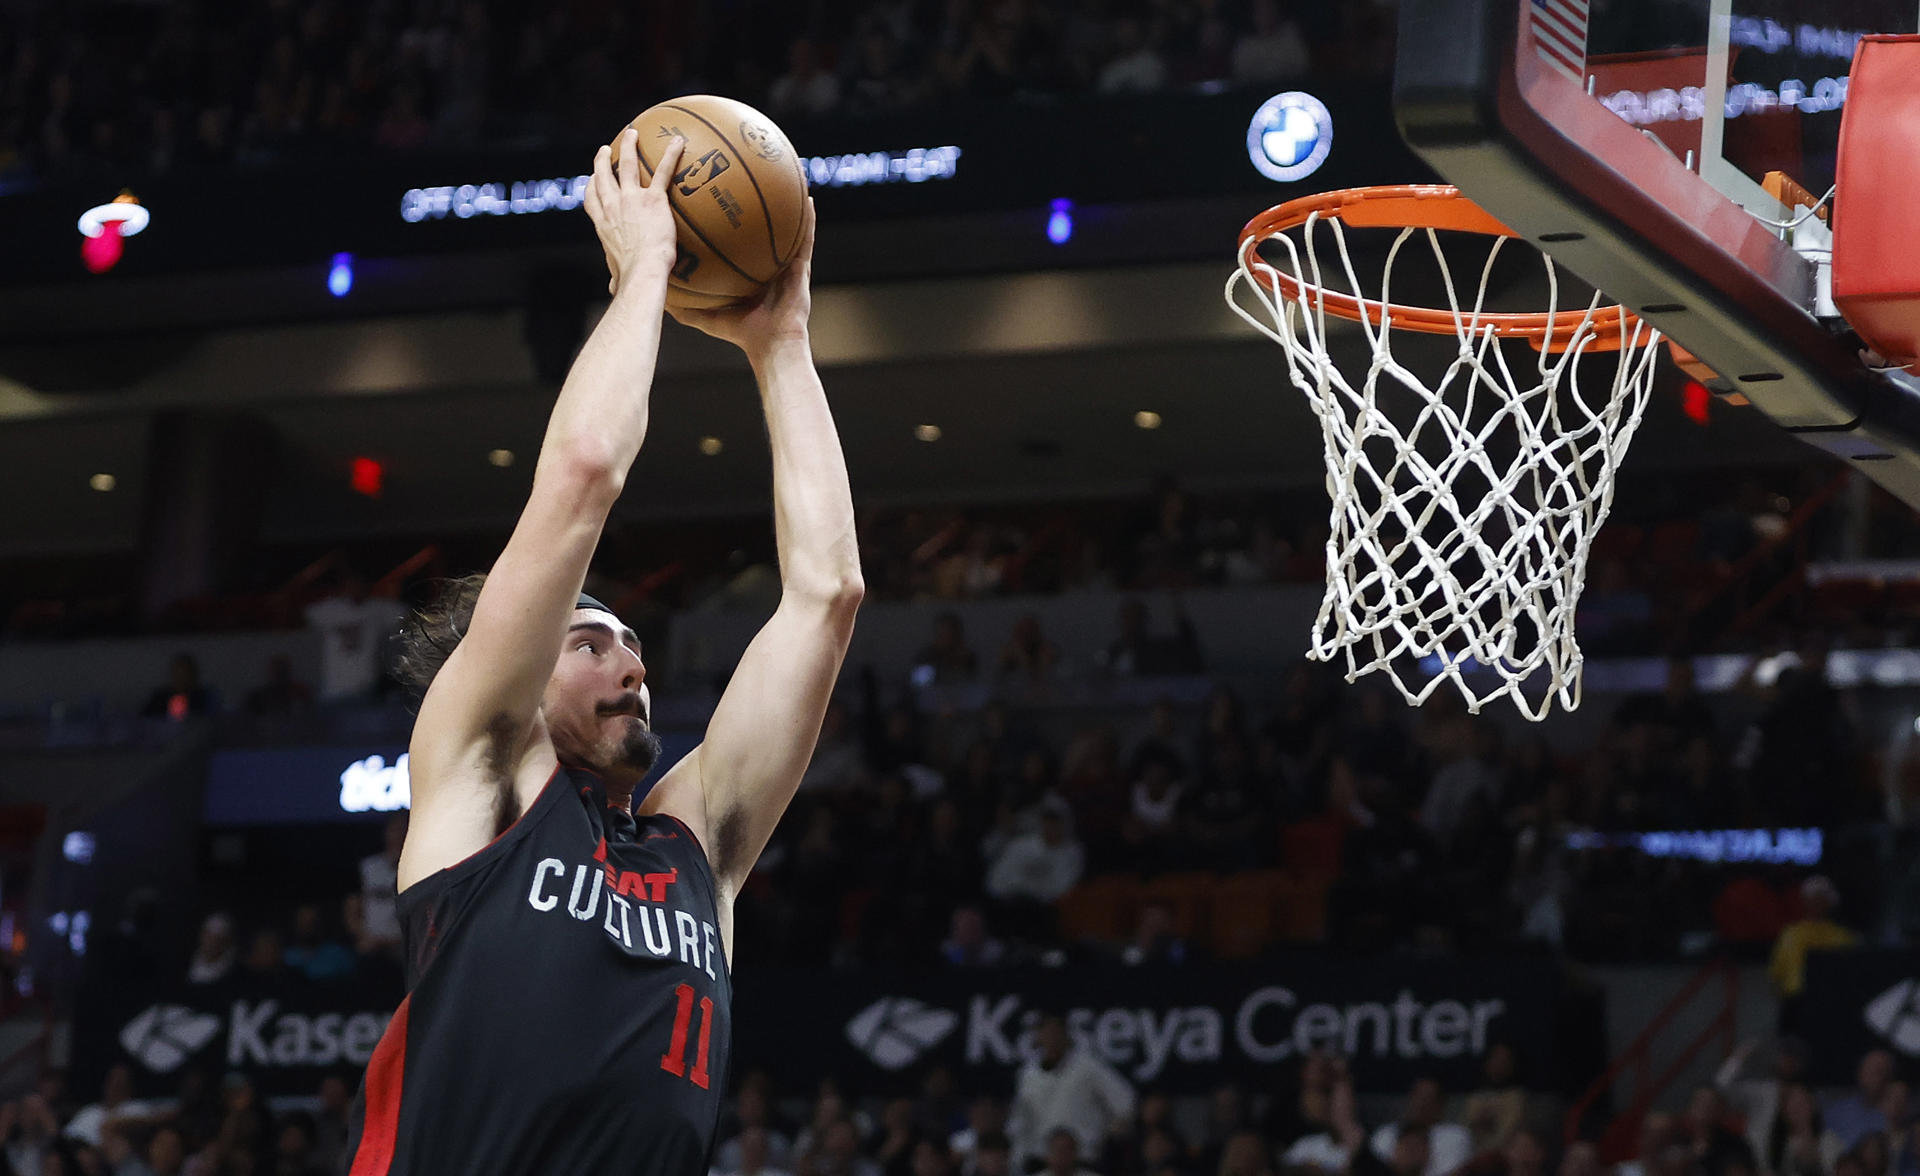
(1876, 249)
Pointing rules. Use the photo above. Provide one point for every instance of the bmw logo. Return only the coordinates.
(1290, 136)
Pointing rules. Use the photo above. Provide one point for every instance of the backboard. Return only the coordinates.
(1634, 141)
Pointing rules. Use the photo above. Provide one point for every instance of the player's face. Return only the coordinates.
(597, 708)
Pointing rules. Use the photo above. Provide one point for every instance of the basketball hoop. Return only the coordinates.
(1464, 506)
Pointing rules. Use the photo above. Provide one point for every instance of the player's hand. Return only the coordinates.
(634, 220)
(778, 313)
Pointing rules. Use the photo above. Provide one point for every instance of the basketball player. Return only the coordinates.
(568, 955)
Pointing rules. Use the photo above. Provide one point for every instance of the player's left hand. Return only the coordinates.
(777, 314)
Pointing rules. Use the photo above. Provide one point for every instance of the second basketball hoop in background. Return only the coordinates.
(1466, 494)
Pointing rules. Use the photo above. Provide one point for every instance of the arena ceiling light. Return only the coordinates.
(1146, 419)
(711, 446)
(927, 432)
(500, 458)
(103, 482)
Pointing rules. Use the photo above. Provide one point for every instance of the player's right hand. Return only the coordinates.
(634, 220)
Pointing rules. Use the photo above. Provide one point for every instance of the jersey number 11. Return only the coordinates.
(674, 1061)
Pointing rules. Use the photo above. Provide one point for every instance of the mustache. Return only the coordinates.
(629, 703)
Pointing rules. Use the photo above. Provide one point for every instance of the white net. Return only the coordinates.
(1465, 504)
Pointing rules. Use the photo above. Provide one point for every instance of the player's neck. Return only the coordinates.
(619, 794)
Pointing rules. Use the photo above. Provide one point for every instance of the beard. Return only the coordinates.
(639, 750)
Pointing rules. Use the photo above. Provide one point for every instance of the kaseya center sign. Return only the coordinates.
(1173, 1028)
(286, 1036)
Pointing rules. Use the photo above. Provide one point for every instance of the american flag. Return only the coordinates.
(1560, 36)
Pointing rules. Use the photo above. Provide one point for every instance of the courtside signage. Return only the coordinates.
(914, 165)
(1180, 1029)
(1290, 136)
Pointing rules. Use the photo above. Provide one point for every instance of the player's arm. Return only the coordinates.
(733, 789)
(476, 719)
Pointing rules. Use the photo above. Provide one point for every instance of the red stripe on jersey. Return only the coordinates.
(380, 1129)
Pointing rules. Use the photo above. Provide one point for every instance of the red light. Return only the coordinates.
(366, 477)
(1695, 401)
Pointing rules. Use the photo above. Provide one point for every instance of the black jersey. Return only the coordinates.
(568, 1005)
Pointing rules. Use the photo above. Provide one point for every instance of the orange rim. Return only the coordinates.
(1418, 206)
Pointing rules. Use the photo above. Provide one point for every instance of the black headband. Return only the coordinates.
(586, 601)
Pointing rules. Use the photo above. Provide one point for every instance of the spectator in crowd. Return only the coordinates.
(1340, 1143)
(1447, 1146)
(215, 955)
(1799, 754)
(1716, 1147)
(986, 1120)
(1041, 866)
(1136, 66)
(293, 1147)
(940, 1111)
(1582, 1158)
(1063, 1154)
(992, 1156)
(1305, 1106)
(1797, 1139)
(807, 89)
(968, 944)
(1861, 1113)
(313, 953)
(876, 83)
(281, 695)
(1065, 1086)
(1154, 940)
(1028, 655)
(183, 697)
(1658, 1131)
(752, 1156)
(1225, 813)
(753, 1114)
(1679, 713)
(1412, 1155)
(331, 1121)
(947, 658)
(1269, 51)
(117, 1107)
(1465, 778)
(265, 958)
(1815, 930)
(1151, 829)
(117, 1155)
(929, 1159)
(29, 1129)
(1226, 1118)
(1758, 1100)
(379, 888)
(354, 628)
(1498, 1109)
(839, 757)
(1524, 1154)
(1135, 651)
(839, 1153)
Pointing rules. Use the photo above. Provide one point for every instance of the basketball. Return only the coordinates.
(739, 197)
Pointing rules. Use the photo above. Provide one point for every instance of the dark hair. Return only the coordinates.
(434, 632)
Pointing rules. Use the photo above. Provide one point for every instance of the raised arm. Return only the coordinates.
(736, 785)
(477, 716)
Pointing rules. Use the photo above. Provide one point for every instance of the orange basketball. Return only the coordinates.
(739, 196)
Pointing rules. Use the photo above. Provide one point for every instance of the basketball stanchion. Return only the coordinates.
(1465, 499)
